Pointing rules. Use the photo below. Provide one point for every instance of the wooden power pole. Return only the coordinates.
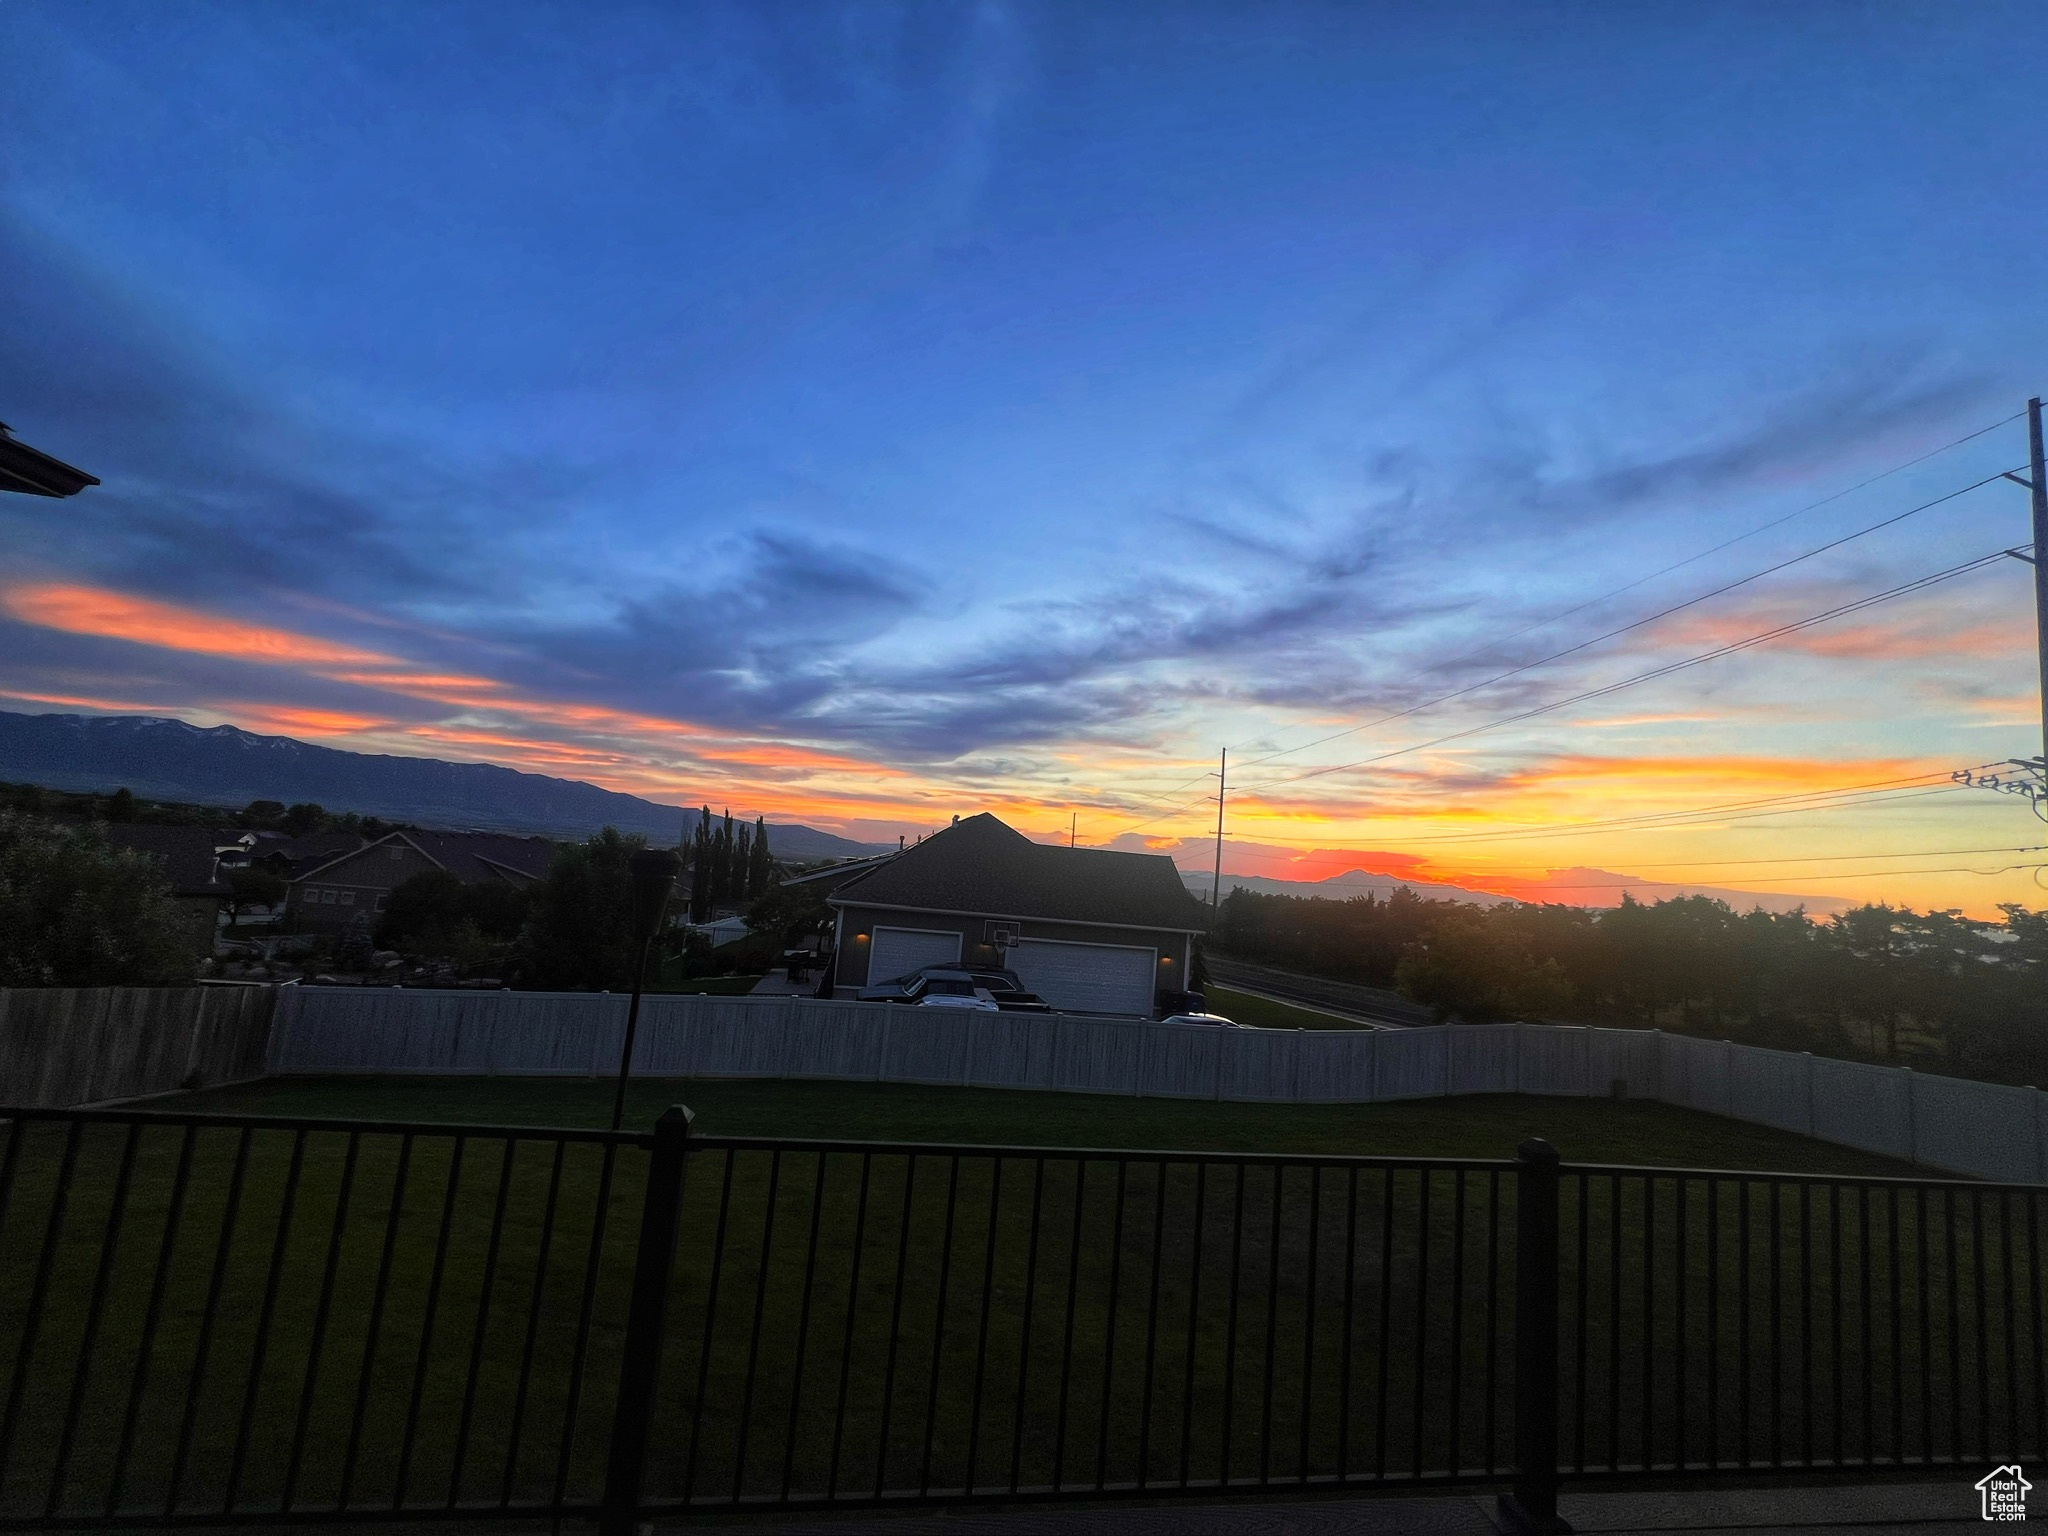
(2039, 487)
(1222, 770)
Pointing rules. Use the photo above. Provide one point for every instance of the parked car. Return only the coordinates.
(977, 1001)
(1207, 1020)
(928, 984)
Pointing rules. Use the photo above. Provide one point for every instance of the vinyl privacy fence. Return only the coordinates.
(1985, 1129)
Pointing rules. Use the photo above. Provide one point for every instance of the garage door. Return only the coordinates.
(894, 952)
(1087, 978)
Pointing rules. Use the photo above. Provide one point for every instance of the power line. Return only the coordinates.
(1811, 506)
(1765, 527)
(1623, 629)
(1812, 799)
(1662, 613)
(1876, 792)
(1748, 642)
(1376, 845)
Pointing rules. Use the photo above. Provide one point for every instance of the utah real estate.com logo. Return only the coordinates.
(2005, 1494)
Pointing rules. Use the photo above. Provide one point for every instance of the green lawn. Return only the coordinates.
(1586, 1130)
(1270, 1013)
(712, 986)
(882, 1318)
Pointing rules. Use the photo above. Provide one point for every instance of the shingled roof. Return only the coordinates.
(982, 866)
(473, 856)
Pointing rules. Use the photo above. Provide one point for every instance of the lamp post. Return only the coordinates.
(654, 877)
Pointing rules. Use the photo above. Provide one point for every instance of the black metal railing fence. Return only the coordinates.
(887, 1322)
(1719, 1319)
(238, 1318)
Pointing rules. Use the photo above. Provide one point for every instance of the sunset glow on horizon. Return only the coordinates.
(1517, 444)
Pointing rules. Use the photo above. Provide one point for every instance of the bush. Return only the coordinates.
(75, 912)
(437, 913)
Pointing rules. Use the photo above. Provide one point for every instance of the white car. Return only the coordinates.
(954, 994)
(1209, 1020)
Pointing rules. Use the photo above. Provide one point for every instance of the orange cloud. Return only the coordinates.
(303, 722)
(426, 685)
(1920, 633)
(115, 615)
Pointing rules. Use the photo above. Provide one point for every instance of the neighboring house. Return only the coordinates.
(828, 879)
(331, 894)
(1088, 929)
(189, 856)
(292, 857)
(234, 848)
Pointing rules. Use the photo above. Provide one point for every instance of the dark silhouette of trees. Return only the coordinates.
(579, 931)
(76, 912)
(1880, 983)
(436, 912)
(728, 865)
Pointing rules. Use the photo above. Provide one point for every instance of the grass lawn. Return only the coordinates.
(1269, 1013)
(711, 986)
(1584, 1130)
(862, 1320)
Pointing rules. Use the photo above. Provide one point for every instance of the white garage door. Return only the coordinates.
(894, 952)
(1087, 978)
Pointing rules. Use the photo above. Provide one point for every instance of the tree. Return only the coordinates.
(121, 805)
(435, 912)
(700, 869)
(788, 914)
(425, 914)
(307, 816)
(75, 912)
(579, 933)
(761, 870)
(1474, 965)
(721, 883)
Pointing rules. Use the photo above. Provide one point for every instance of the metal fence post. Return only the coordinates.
(1532, 1506)
(659, 1215)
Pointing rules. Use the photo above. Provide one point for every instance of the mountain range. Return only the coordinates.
(164, 759)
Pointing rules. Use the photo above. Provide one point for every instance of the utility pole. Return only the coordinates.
(1073, 827)
(1222, 781)
(2031, 781)
(2039, 487)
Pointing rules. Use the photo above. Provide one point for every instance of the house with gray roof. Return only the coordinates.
(330, 895)
(1091, 930)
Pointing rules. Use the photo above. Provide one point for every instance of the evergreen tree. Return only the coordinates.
(722, 886)
(760, 872)
(743, 864)
(700, 869)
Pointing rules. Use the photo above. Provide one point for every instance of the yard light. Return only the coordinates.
(654, 877)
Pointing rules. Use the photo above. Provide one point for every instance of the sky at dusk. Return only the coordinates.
(867, 414)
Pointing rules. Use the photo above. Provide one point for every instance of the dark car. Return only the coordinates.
(1002, 987)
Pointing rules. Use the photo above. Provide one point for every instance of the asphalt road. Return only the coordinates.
(1369, 1005)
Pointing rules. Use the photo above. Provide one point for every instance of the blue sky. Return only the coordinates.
(870, 412)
